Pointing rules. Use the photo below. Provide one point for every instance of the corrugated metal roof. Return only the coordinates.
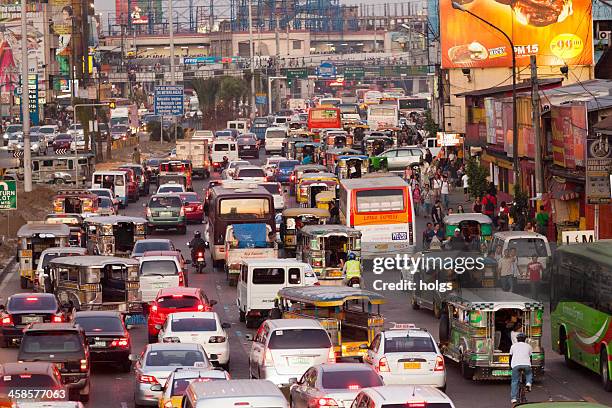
(597, 93)
(507, 88)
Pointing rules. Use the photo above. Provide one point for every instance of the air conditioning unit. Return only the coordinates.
(604, 36)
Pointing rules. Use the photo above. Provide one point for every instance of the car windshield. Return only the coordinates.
(25, 381)
(528, 247)
(158, 267)
(251, 173)
(179, 386)
(299, 339)
(191, 198)
(406, 344)
(25, 303)
(178, 358)
(51, 342)
(102, 193)
(143, 246)
(99, 323)
(287, 164)
(193, 325)
(165, 202)
(350, 379)
(178, 302)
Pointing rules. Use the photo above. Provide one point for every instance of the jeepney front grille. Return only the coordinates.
(90, 287)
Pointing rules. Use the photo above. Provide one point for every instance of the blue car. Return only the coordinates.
(284, 170)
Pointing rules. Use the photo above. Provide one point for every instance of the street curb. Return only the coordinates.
(7, 267)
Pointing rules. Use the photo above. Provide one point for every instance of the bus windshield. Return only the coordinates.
(244, 208)
(380, 200)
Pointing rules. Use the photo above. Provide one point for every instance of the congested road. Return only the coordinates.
(113, 389)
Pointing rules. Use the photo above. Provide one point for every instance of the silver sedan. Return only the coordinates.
(157, 362)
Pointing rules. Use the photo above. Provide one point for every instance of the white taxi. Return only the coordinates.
(202, 328)
(406, 396)
(406, 354)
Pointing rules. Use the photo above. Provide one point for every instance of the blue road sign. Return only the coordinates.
(326, 70)
(261, 99)
(169, 100)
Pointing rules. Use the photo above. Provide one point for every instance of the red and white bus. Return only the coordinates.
(381, 208)
(324, 118)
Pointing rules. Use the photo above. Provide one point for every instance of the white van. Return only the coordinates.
(223, 148)
(274, 139)
(242, 126)
(233, 393)
(527, 245)
(115, 180)
(259, 283)
(159, 272)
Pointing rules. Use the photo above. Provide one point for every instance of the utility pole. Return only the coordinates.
(535, 100)
(25, 100)
(171, 33)
(252, 57)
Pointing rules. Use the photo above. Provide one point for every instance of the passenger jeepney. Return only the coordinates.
(475, 331)
(76, 201)
(337, 139)
(374, 145)
(96, 283)
(299, 171)
(74, 222)
(473, 226)
(324, 199)
(331, 155)
(303, 149)
(177, 166)
(247, 241)
(289, 143)
(353, 166)
(33, 238)
(351, 316)
(62, 169)
(326, 248)
(310, 184)
(113, 235)
(358, 132)
(293, 219)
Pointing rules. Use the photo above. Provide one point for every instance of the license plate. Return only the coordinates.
(159, 285)
(166, 214)
(501, 373)
(412, 366)
(300, 360)
(31, 319)
(503, 359)
(98, 344)
(26, 253)
(334, 273)
(399, 236)
(187, 209)
(246, 147)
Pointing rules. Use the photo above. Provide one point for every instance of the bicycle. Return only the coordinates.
(521, 397)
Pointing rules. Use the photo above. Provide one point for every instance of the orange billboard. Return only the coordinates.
(557, 32)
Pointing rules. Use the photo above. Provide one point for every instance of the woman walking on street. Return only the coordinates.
(426, 198)
(416, 198)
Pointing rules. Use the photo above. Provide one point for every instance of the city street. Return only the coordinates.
(112, 389)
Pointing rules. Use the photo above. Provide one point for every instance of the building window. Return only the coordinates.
(297, 45)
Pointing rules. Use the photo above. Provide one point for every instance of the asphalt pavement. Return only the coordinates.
(111, 389)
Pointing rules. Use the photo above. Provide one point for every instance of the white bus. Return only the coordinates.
(381, 207)
(383, 116)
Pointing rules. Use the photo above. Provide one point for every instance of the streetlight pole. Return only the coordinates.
(515, 141)
(25, 100)
(252, 57)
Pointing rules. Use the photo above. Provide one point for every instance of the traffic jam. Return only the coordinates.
(240, 269)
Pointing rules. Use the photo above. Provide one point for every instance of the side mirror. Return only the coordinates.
(226, 326)
(249, 337)
(213, 302)
(187, 261)
(156, 387)
(133, 357)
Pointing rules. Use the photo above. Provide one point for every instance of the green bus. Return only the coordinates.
(581, 307)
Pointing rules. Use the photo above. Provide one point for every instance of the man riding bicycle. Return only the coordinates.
(197, 244)
(521, 360)
(352, 268)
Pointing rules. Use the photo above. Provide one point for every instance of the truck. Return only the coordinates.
(125, 113)
(195, 150)
(247, 241)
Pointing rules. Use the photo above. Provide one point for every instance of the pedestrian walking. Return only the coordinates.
(535, 269)
(465, 182)
(542, 218)
(437, 186)
(416, 199)
(437, 214)
(445, 191)
(427, 199)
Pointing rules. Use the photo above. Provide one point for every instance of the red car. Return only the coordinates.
(132, 184)
(194, 208)
(171, 300)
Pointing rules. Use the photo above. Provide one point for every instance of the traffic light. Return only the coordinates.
(112, 105)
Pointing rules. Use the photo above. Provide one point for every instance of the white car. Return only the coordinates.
(407, 355)
(283, 349)
(76, 129)
(250, 173)
(230, 171)
(158, 272)
(276, 189)
(49, 132)
(203, 328)
(78, 143)
(407, 396)
(171, 188)
(38, 144)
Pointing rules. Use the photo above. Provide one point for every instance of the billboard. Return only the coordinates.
(557, 32)
(569, 134)
(62, 14)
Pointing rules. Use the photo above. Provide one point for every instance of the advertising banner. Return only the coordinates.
(489, 105)
(558, 32)
(10, 44)
(569, 133)
(598, 168)
(61, 15)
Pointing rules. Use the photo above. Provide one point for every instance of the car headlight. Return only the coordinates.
(5, 136)
(35, 146)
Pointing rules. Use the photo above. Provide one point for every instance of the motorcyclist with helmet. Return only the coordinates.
(197, 244)
(352, 269)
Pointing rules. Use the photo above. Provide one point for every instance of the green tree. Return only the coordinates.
(431, 127)
(477, 178)
(207, 91)
(231, 90)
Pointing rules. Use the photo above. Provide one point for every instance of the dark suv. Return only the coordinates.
(65, 345)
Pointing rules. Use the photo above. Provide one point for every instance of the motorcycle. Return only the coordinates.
(199, 259)
(354, 282)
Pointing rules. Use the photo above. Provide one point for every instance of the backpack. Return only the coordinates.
(489, 206)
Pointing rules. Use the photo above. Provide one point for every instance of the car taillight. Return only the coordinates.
(182, 212)
(216, 339)
(181, 277)
(325, 402)
(147, 379)
(383, 365)
(439, 364)
(200, 307)
(154, 308)
(84, 365)
(416, 404)
(200, 207)
(7, 321)
(123, 342)
(268, 360)
(57, 319)
(292, 178)
(331, 356)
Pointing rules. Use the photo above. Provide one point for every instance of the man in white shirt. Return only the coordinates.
(520, 353)
(464, 180)
(445, 190)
